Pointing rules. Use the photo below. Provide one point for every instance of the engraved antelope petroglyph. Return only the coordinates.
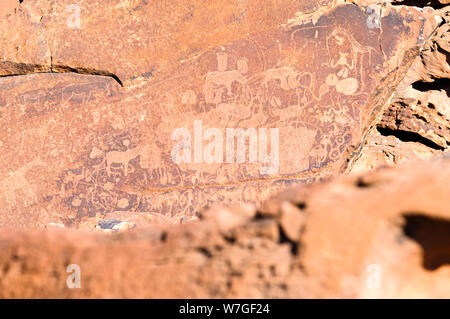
(148, 157)
(82, 93)
(122, 158)
(17, 181)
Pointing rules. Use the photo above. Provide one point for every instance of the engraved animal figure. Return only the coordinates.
(216, 80)
(17, 181)
(161, 171)
(122, 158)
(317, 156)
(73, 178)
(285, 75)
(37, 101)
(346, 57)
(40, 96)
(165, 175)
(233, 111)
(290, 113)
(78, 94)
(225, 78)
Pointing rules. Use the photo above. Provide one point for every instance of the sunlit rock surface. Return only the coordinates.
(115, 124)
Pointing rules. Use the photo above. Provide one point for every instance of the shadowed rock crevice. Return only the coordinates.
(433, 235)
(9, 68)
(85, 71)
(436, 4)
(284, 239)
(436, 85)
(407, 136)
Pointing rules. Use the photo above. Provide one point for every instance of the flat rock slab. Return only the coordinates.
(131, 39)
(306, 92)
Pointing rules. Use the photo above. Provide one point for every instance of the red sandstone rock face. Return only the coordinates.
(134, 39)
(377, 235)
(7, 6)
(77, 146)
(416, 124)
(91, 116)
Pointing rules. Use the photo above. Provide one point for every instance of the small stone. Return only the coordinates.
(108, 223)
(55, 225)
(123, 226)
(114, 225)
(188, 219)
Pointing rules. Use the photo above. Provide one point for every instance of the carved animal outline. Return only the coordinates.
(216, 80)
(285, 75)
(122, 158)
(355, 53)
(225, 78)
(78, 92)
(290, 115)
(17, 181)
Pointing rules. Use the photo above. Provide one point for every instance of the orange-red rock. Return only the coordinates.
(377, 235)
(8, 6)
(79, 146)
(416, 125)
(133, 40)
(92, 111)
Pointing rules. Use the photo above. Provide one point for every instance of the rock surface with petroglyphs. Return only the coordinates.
(375, 235)
(131, 39)
(94, 136)
(118, 118)
(416, 125)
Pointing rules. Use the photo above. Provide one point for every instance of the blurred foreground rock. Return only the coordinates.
(385, 234)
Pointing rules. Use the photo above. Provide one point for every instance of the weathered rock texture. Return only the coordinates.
(417, 123)
(8, 6)
(102, 141)
(92, 111)
(369, 236)
(132, 39)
